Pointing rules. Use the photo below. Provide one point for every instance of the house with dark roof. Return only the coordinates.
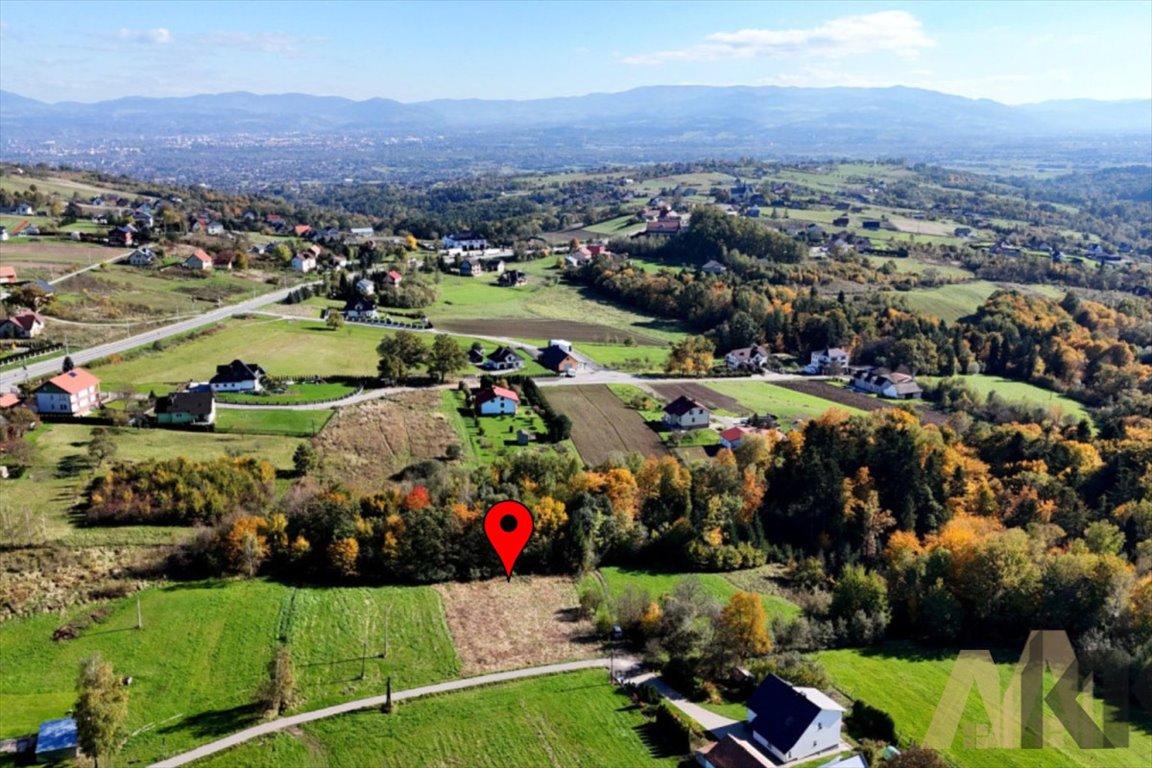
(732, 752)
(142, 257)
(558, 359)
(831, 360)
(73, 393)
(512, 278)
(881, 381)
(237, 376)
(792, 723)
(504, 358)
(360, 309)
(713, 267)
(468, 241)
(57, 741)
(747, 358)
(197, 408)
(22, 325)
(496, 401)
(686, 413)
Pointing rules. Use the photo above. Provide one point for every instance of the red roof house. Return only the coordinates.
(494, 401)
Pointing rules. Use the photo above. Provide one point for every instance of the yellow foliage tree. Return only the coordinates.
(742, 628)
(343, 554)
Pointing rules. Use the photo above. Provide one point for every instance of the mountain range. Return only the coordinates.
(664, 110)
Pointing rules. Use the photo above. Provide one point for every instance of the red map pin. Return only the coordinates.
(508, 526)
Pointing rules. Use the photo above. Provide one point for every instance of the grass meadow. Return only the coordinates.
(786, 405)
(719, 586)
(1021, 392)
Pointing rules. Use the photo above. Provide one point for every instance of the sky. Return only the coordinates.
(1018, 51)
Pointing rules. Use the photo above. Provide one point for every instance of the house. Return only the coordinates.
(830, 361)
(471, 267)
(496, 401)
(360, 309)
(22, 325)
(962, 231)
(585, 254)
(197, 408)
(302, 230)
(852, 761)
(199, 261)
(667, 224)
(303, 262)
(732, 752)
(512, 278)
(122, 235)
(7, 275)
(747, 358)
(223, 260)
(74, 393)
(496, 266)
(142, 257)
(558, 360)
(563, 344)
(871, 224)
(393, 278)
(9, 400)
(339, 262)
(686, 413)
(467, 241)
(841, 221)
(57, 741)
(365, 287)
(237, 376)
(504, 359)
(713, 267)
(733, 436)
(792, 723)
(143, 219)
(880, 381)
(361, 231)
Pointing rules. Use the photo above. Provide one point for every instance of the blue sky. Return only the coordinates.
(1013, 52)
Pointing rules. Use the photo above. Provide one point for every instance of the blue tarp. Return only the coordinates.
(56, 735)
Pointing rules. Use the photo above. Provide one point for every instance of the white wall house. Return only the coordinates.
(825, 360)
(237, 376)
(496, 401)
(792, 723)
(686, 413)
(74, 393)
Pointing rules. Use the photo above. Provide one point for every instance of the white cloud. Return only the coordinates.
(265, 42)
(158, 36)
(897, 32)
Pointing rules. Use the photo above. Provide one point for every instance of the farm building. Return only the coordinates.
(496, 401)
(57, 741)
(747, 358)
(186, 408)
(237, 376)
(792, 723)
(880, 381)
(74, 393)
(22, 325)
(558, 359)
(199, 261)
(686, 413)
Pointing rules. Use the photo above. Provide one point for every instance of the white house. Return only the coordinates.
(686, 413)
(563, 344)
(747, 358)
(22, 325)
(142, 257)
(365, 287)
(361, 231)
(793, 723)
(496, 401)
(880, 381)
(360, 309)
(303, 262)
(733, 436)
(74, 393)
(828, 360)
(468, 241)
(199, 261)
(237, 376)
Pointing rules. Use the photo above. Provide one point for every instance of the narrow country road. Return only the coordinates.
(375, 701)
(95, 265)
(9, 379)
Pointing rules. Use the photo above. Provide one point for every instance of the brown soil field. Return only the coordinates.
(498, 625)
(602, 424)
(363, 445)
(714, 400)
(859, 400)
(547, 329)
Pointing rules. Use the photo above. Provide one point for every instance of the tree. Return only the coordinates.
(29, 295)
(742, 629)
(399, 353)
(343, 554)
(446, 356)
(693, 354)
(102, 447)
(278, 692)
(335, 320)
(101, 708)
(304, 459)
(68, 364)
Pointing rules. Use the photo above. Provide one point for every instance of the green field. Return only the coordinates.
(786, 405)
(635, 359)
(907, 681)
(621, 226)
(951, 302)
(719, 586)
(271, 421)
(203, 650)
(575, 719)
(912, 265)
(1021, 392)
(291, 394)
(64, 188)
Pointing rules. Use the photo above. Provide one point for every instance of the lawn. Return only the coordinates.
(912, 265)
(204, 647)
(786, 405)
(271, 421)
(720, 586)
(907, 681)
(621, 226)
(621, 357)
(495, 435)
(575, 719)
(291, 394)
(1021, 392)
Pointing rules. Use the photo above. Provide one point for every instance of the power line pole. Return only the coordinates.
(139, 615)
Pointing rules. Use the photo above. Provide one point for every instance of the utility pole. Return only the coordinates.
(363, 657)
(139, 615)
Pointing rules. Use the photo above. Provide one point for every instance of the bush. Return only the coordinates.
(867, 722)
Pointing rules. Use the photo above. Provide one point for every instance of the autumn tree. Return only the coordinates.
(335, 320)
(101, 709)
(343, 554)
(399, 353)
(278, 692)
(692, 354)
(741, 631)
(446, 356)
(245, 545)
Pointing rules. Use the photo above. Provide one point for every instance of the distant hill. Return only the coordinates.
(662, 109)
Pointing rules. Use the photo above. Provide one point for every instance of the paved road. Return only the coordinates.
(708, 720)
(374, 701)
(9, 379)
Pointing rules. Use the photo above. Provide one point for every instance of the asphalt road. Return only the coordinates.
(9, 379)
